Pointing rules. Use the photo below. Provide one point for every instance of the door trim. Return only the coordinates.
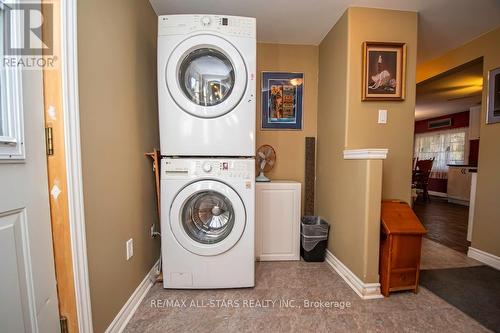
(69, 70)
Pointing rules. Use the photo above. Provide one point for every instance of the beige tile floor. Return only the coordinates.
(438, 256)
(296, 282)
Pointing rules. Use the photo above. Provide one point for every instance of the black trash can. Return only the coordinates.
(314, 238)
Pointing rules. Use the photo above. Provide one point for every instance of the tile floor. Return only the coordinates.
(296, 282)
(438, 256)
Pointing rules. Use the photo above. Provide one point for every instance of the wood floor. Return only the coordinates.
(446, 223)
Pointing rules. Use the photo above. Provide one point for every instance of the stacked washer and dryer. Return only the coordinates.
(206, 96)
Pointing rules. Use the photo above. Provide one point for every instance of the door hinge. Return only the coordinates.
(49, 141)
(64, 324)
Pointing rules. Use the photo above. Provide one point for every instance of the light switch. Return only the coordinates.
(382, 116)
(130, 248)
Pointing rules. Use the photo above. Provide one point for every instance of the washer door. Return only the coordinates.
(206, 76)
(207, 217)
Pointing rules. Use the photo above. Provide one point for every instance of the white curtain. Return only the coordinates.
(447, 147)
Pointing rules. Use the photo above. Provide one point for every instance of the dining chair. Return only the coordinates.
(421, 176)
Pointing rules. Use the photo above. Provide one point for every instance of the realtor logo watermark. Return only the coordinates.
(28, 40)
(251, 303)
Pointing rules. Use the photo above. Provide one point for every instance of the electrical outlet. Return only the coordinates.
(152, 231)
(130, 248)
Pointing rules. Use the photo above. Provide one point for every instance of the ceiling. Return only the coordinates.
(451, 92)
(443, 24)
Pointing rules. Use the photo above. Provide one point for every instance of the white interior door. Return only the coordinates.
(28, 296)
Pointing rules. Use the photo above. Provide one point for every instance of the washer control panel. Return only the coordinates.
(223, 168)
(218, 168)
(185, 24)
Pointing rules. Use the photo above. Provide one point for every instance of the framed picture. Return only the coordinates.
(282, 95)
(384, 67)
(493, 96)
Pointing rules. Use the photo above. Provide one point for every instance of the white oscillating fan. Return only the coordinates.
(266, 157)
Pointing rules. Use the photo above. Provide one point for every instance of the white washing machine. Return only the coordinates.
(206, 85)
(207, 222)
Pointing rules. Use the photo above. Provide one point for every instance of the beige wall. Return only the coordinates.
(487, 210)
(118, 114)
(289, 145)
(367, 24)
(345, 189)
(349, 191)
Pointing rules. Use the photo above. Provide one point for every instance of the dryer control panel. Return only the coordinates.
(229, 25)
(230, 168)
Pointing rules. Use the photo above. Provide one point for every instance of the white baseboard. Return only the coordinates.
(127, 311)
(364, 290)
(438, 194)
(278, 257)
(458, 201)
(484, 257)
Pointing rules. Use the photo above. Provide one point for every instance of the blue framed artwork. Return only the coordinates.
(282, 95)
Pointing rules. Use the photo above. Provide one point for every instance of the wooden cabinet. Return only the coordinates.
(400, 245)
(459, 183)
(277, 221)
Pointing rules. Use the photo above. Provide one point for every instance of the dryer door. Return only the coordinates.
(207, 217)
(206, 76)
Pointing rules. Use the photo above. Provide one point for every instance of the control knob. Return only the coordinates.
(207, 167)
(205, 20)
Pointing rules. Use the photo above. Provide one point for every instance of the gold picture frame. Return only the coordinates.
(384, 71)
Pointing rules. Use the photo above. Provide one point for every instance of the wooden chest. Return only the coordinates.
(400, 245)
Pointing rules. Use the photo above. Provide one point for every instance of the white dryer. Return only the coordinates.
(207, 222)
(206, 85)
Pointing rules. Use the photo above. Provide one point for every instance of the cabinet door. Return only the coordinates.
(459, 182)
(278, 222)
(453, 175)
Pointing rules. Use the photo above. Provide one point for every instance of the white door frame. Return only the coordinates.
(70, 102)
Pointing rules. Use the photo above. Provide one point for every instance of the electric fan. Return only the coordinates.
(266, 157)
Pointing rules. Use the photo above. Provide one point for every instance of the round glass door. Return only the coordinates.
(207, 217)
(206, 76)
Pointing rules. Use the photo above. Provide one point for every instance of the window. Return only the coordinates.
(208, 217)
(11, 120)
(206, 76)
(447, 147)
